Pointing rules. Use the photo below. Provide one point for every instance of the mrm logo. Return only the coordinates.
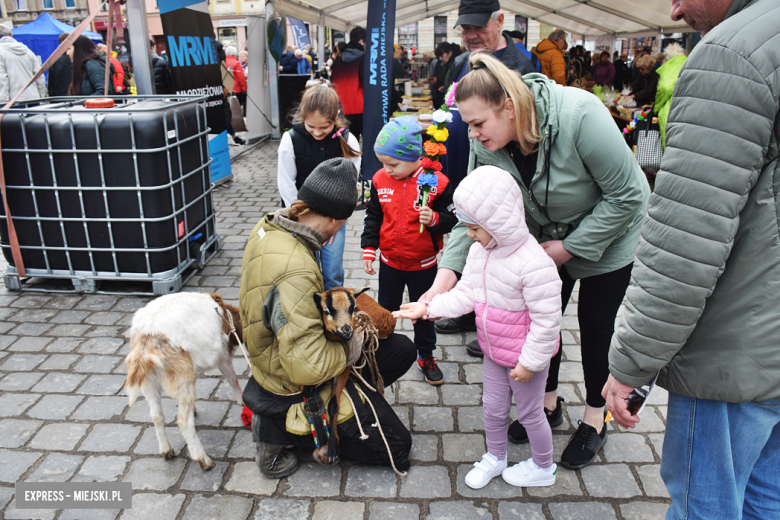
(191, 50)
(374, 56)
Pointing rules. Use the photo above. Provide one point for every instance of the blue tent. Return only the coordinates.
(41, 35)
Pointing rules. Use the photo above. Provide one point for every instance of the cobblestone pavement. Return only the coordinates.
(64, 416)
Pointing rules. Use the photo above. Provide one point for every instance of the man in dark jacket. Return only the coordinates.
(288, 64)
(163, 83)
(61, 73)
(347, 79)
(703, 306)
(621, 72)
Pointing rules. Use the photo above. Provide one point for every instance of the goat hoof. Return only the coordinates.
(168, 454)
(321, 457)
(206, 464)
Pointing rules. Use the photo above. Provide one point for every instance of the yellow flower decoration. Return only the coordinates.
(441, 135)
(431, 130)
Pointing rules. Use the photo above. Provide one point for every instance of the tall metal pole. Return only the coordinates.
(258, 102)
(321, 41)
(273, 79)
(139, 44)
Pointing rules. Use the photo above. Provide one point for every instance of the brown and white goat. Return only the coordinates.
(339, 307)
(173, 340)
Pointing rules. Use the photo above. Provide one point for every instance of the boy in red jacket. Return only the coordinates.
(392, 224)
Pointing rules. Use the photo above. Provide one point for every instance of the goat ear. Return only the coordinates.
(216, 297)
(361, 291)
(318, 300)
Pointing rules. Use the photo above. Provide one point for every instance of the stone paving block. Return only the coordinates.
(18, 381)
(518, 511)
(155, 473)
(371, 481)
(63, 302)
(153, 505)
(110, 437)
(89, 514)
(243, 446)
(569, 394)
(139, 412)
(58, 362)
(520, 452)
(148, 444)
(463, 447)
(198, 480)
(582, 511)
(68, 329)
(30, 329)
(64, 344)
(216, 442)
(643, 511)
(657, 440)
(417, 393)
(22, 362)
(456, 511)
(572, 353)
(70, 317)
(393, 511)
(100, 408)
(6, 340)
(497, 488)
(132, 304)
(659, 396)
(15, 432)
(5, 327)
(59, 382)
(27, 514)
(311, 480)
(5, 496)
(649, 421)
(12, 405)
(432, 418)
(97, 302)
(225, 391)
(246, 478)
(233, 419)
(30, 302)
(424, 447)
(101, 346)
(566, 483)
(426, 482)
(14, 464)
(59, 436)
(56, 467)
(97, 364)
(107, 331)
(461, 395)
(627, 447)
(102, 385)
(330, 510)
(651, 480)
(29, 344)
(103, 318)
(218, 507)
(102, 468)
(459, 355)
(210, 413)
(283, 509)
(570, 371)
(610, 481)
(55, 407)
(662, 411)
(473, 373)
(470, 419)
(205, 386)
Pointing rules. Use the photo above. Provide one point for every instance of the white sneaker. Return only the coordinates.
(528, 474)
(484, 471)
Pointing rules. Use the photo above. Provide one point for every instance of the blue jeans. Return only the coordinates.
(332, 260)
(722, 460)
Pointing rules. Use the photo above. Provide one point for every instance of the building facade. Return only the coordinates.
(21, 12)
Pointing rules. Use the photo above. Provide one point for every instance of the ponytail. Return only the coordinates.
(323, 100)
(492, 82)
(346, 150)
(297, 209)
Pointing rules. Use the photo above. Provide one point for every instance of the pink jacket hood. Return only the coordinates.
(491, 197)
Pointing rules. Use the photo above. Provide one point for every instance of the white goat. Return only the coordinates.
(173, 339)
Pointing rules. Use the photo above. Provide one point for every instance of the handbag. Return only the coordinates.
(649, 148)
(237, 115)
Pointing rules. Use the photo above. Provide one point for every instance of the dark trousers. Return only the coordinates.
(355, 125)
(241, 97)
(599, 300)
(391, 294)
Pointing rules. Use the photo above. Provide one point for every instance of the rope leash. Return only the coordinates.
(382, 433)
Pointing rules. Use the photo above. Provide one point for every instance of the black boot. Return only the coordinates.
(517, 433)
(273, 460)
(473, 349)
(466, 323)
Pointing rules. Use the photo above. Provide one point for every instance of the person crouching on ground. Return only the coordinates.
(392, 224)
(283, 327)
(515, 290)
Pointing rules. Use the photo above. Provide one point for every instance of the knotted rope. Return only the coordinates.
(365, 325)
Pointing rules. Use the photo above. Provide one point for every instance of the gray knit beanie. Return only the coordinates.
(331, 188)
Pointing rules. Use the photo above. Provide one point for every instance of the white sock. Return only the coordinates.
(496, 459)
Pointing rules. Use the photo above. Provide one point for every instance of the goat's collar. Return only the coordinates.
(308, 234)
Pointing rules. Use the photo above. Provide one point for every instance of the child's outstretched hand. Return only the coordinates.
(521, 374)
(426, 216)
(368, 266)
(411, 311)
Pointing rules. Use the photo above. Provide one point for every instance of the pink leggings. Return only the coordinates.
(498, 389)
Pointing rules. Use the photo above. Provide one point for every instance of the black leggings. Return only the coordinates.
(599, 300)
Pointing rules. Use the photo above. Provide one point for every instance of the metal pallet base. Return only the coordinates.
(85, 282)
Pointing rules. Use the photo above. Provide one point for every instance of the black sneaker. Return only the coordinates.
(517, 433)
(238, 140)
(275, 461)
(473, 349)
(430, 370)
(583, 446)
(466, 323)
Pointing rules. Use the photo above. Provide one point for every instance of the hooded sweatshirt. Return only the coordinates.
(347, 78)
(512, 285)
(17, 65)
(551, 58)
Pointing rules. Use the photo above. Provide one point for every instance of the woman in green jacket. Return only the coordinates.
(89, 69)
(585, 199)
(667, 74)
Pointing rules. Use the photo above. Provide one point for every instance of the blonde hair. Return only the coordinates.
(645, 62)
(675, 49)
(492, 82)
(323, 100)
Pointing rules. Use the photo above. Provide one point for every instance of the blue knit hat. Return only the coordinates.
(400, 138)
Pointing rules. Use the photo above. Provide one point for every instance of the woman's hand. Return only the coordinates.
(426, 216)
(556, 251)
(521, 374)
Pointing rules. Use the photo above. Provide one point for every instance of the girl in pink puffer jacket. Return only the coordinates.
(515, 290)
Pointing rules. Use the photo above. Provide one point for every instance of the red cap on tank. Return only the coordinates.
(99, 103)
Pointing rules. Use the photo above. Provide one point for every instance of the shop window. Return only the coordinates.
(70, 4)
(21, 5)
(439, 30)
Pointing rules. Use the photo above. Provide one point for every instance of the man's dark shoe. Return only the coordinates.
(430, 370)
(238, 140)
(275, 461)
(517, 433)
(466, 323)
(583, 446)
(473, 349)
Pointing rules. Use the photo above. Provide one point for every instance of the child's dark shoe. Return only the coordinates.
(430, 370)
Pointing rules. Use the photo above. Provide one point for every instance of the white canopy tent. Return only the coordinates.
(591, 18)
